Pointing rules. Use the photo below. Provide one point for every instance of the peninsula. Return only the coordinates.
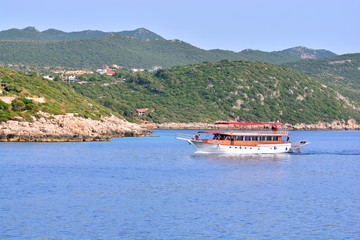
(68, 128)
(34, 109)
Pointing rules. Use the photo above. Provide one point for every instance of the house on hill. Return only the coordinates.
(109, 72)
(141, 111)
(73, 78)
(156, 67)
(101, 71)
(116, 66)
(49, 77)
(137, 69)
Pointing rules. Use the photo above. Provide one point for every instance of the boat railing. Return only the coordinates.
(183, 136)
(249, 132)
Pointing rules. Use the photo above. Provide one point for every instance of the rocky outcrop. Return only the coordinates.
(68, 128)
(335, 125)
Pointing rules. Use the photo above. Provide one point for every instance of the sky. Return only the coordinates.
(267, 25)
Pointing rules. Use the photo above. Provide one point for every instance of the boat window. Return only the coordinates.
(231, 138)
(240, 138)
(262, 138)
(268, 138)
(216, 136)
(222, 137)
(254, 138)
(275, 138)
(247, 138)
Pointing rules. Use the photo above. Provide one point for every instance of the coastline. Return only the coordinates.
(68, 128)
(335, 125)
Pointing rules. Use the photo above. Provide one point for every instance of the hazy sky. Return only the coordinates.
(225, 24)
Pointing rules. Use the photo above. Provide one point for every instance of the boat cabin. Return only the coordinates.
(246, 138)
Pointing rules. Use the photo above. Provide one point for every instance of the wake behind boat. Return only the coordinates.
(275, 140)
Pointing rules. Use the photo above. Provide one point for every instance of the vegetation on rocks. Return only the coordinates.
(226, 90)
(341, 73)
(22, 96)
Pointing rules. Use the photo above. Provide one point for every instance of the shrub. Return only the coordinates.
(13, 88)
(18, 105)
(3, 105)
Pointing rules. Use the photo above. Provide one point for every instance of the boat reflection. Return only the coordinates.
(252, 158)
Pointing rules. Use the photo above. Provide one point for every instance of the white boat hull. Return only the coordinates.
(231, 149)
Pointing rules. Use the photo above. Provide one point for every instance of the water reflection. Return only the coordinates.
(250, 158)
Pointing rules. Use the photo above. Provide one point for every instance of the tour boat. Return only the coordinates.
(243, 142)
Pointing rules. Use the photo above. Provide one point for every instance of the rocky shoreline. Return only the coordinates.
(68, 128)
(335, 125)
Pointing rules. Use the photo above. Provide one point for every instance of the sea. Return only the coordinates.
(158, 188)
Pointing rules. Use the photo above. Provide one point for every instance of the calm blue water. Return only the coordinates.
(157, 188)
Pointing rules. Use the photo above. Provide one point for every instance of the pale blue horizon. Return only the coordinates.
(227, 24)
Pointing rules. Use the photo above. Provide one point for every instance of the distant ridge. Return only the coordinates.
(308, 53)
(32, 34)
(139, 48)
(127, 51)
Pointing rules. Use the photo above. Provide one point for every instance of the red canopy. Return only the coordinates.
(209, 132)
(250, 123)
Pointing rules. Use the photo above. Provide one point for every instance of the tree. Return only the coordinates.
(3, 105)
(34, 74)
(13, 88)
(18, 105)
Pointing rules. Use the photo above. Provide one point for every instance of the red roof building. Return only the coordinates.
(109, 72)
(141, 111)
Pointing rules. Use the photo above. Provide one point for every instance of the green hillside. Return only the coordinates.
(25, 90)
(126, 51)
(32, 34)
(341, 73)
(226, 90)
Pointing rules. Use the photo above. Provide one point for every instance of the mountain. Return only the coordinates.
(124, 50)
(341, 73)
(140, 33)
(32, 34)
(225, 90)
(308, 53)
(23, 96)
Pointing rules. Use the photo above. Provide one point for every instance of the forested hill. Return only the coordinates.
(226, 90)
(341, 73)
(32, 34)
(22, 96)
(130, 52)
